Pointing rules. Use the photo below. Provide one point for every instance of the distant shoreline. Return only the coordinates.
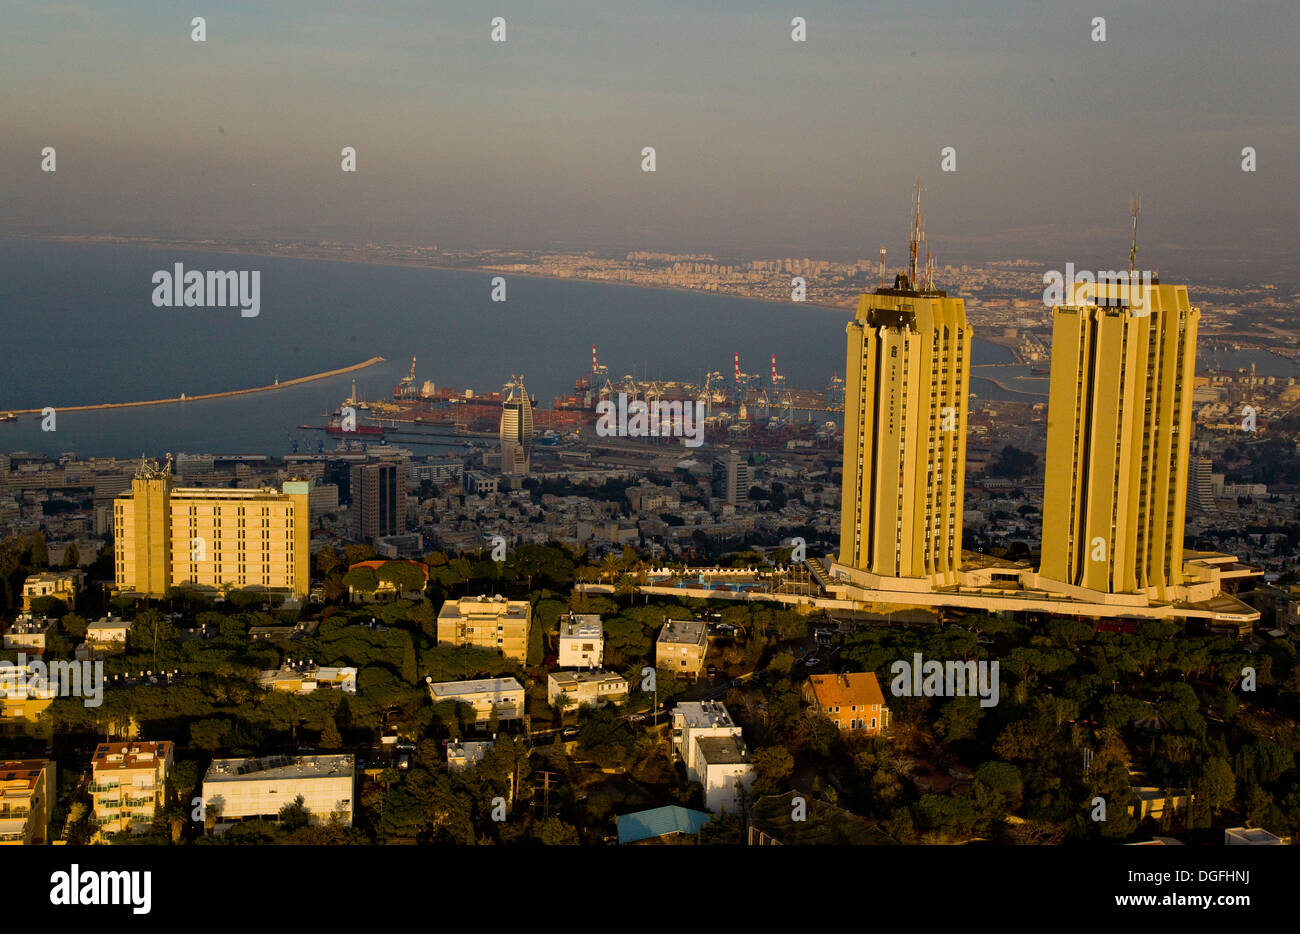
(361, 261)
(297, 381)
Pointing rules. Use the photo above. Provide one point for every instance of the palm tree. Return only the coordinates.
(625, 586)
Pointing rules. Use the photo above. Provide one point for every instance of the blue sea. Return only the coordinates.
(80, 328)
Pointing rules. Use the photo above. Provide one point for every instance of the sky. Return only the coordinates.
(764, 146)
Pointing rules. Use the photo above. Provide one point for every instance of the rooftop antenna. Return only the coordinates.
(1133, 250)
(918, 234)
(882, 267)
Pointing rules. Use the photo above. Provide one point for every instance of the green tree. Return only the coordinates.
(355, 554)
(48, 606)
(362, 580)
(330, 737)
(39, 555)
(409, 672)
(403, 575)
(74, 625)
(774, 765)
(1217, 785)
(326, 561)
(555, 832)
(997, 789)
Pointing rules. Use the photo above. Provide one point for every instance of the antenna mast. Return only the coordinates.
(918, 234)
(1133, 250)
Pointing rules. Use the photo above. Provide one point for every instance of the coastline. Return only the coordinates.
(235, 251)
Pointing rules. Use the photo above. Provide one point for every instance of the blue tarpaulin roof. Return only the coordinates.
(656, 822)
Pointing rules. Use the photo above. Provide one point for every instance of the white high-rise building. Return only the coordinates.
(516, 429)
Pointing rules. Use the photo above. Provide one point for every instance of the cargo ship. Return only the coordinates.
(335, 427)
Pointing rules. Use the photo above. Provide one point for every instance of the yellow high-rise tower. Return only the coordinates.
(906, 387)
(1118, 435)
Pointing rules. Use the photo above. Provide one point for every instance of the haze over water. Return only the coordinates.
(86, 331)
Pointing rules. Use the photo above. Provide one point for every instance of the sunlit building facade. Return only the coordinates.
(207, 538)
(907, 383)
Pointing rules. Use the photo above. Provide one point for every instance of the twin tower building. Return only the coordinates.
(1118, 434)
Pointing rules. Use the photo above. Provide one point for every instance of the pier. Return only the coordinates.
(298, 381)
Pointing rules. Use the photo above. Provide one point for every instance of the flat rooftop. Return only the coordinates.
(581, 626)
(699, 715)
(585, 676)
(723, 750)
(481, 686)
(27, 627)
(470, 750)
(467, 607)
(685, 631)
(270, 767)
(123, 756)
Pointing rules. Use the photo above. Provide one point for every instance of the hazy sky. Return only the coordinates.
(764, 146)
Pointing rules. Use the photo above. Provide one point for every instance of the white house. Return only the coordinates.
(709, 743)
(593, 688)
(239, 788)
(582, 641)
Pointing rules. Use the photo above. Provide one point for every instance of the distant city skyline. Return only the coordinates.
(764, 146)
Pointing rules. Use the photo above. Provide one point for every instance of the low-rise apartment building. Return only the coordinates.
(108, 632)
(582, 641)
(592, 688)
(305, 680)
(62, 585)
(128, 785)
(710, 745)
(26, 801)
(722, 766)
(235, 789)
(29, 634)
(1251, 836)
(461, 754)
(681, 647)
(502, 696)
(24, 696)
(1155, 803)
(487, 623)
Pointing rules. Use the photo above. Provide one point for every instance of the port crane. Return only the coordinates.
(406, 388)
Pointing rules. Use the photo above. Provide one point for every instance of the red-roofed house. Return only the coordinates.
(852, 701)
